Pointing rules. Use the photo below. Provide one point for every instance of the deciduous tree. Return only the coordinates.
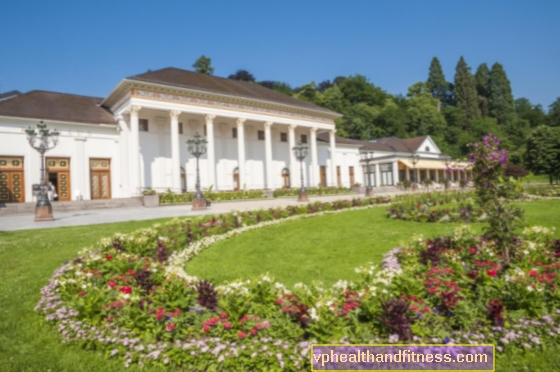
(543, 151)
(242, 75)
(203, 65)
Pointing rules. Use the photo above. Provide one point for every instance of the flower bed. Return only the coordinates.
(423, 208)
(313, 191)
(214, 196)
(543, 191)
(129, 298)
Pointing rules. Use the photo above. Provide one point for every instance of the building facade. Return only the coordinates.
(135, 138)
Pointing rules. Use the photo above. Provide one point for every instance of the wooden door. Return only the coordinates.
(236, 179)
(100, 176)
(338, 176)
(323, 176)
(351, 174)
(60, 167)
(12, 187)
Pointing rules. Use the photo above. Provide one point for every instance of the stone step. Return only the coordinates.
(29, 208)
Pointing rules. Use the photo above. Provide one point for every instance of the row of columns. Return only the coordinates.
(452, 176)
(134, 151)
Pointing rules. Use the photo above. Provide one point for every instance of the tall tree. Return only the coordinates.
(543, 151)
(437, 85)
(203, 65)
(242, 75)
(554, 113)
(465, 93)
(501, 99)
(482, 78)
(533, 113)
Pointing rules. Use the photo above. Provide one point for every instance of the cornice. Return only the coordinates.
(129, 88)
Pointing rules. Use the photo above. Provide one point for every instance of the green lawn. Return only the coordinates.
(326, 248)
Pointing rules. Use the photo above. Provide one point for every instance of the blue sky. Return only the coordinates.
(87, 47)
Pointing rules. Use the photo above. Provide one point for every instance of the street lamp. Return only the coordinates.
(366, 156)
(414, 160)
(42, 140)
(197, 147)
(447, 171)
(301, 150)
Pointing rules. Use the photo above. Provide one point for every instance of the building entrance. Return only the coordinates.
(12, 189)
(58, 173)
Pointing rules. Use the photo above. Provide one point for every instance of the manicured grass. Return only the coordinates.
(330, 247)
(324, 248)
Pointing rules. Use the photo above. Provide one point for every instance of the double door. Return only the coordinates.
(12, 188)
(58, 174)
(100, 176)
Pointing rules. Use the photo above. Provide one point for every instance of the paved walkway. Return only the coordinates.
(92, 217)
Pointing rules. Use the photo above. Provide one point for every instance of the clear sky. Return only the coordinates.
(87, 47)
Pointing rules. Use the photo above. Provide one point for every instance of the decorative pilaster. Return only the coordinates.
(241, 151)
(395, 173)
(211, 152)
(124, 134)
(291, 143)
(175, 154)
(135, 183)
(333, 156)
(268, 154)
(377, 176)
(314, 179)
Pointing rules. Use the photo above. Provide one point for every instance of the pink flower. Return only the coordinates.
(159, 313)
(253, 332)
(241, 334)
(258, 326)
(266, 324)
(112, 284)
(206, 329)
(170, 327)
(227, 325)
(472, 250)
(125, 290)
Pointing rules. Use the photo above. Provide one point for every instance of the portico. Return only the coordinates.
(249, 144)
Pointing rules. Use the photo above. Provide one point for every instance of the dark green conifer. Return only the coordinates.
(437, 85)
(501, 99)
(465, 93)
(482, 78)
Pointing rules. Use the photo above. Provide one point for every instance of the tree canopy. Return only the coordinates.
(242, 75)
(203, 65)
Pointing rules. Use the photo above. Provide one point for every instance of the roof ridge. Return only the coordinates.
(61, 93)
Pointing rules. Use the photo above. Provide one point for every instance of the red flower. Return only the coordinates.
(108, 319)
(472, 250)
(112, 284)
(160, 313)
(253, 332)
(125, 290)
(108, 257)
(241, 334)
(491, 272)
(206, 329)
(81, 294)
(533, 273)
(170, 327)
(227, 325)
(131, 272)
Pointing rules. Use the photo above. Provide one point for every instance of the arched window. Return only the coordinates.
(183, 180)
(286, 178)
(236, 178)
(427, 149)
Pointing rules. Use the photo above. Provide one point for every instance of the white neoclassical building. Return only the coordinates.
(135, 138)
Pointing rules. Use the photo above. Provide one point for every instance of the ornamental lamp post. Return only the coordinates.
(366, 156)
(447, 171)
(42, 139)
(301, 150)
(197, 147)
(414, 160)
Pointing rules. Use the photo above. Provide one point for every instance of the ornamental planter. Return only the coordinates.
(150, 201)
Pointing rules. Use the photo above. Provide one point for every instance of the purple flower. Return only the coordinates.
(446, 340)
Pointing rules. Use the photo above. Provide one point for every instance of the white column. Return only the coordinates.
(377, 176)
(211, 154)
(124, 176)
(135, 151)
(418, 180)
(314, 174)
(437, 175)
(293, 165)
(333, 157)
(268, 154)
(407, 173)
(241, 151)
(395, 173)
(175, 157)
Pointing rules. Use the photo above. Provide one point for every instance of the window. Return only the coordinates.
(427, 149)
(180, 128)
(283, 137)
(304, 138)
(143, 125)
(386, 173)
(234, 132)
(260, 135)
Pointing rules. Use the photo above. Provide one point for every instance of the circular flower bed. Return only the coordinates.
(132, 298)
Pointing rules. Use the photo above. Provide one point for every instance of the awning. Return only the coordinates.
(435, 164)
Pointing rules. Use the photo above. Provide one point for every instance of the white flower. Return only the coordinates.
(526, 251)
(529, 288)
